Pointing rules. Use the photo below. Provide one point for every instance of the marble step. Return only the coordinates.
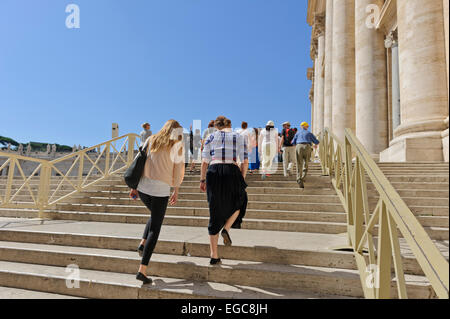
(293, 278)
(437, 233)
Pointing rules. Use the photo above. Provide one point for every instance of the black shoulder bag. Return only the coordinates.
(133, 173)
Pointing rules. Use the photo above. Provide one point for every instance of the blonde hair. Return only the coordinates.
(170, 134)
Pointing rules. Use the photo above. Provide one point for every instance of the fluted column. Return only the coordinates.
(328, 84)
(446, 132)
(371, 87)
(423, 81)
(311, 99)
(319, 34)
(343, 66)
(445, 5)
(316, 96)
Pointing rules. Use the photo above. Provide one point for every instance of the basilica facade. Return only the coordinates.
(380, 68)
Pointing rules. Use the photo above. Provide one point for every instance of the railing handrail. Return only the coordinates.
(22, 157)
(430, 259)
(74, 154)
(427, 254)
(45, 197)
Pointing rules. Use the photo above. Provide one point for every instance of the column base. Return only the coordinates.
(426, 149)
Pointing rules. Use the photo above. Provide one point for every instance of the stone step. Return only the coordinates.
(199, 221)
(437, 233)
(286, 191)
(112, 285)
(273, 190)
(202, 203)
(335, 217)
(293, 278)
(311, 184)
(204, 212)
(416, 205)
(265, 254)
(15, 293)
(282, 198)
(299, 197)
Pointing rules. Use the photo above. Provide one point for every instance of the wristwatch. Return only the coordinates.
(202, 180)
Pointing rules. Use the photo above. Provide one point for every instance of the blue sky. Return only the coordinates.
(133, 61)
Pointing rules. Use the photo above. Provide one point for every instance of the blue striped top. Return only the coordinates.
(225, 145)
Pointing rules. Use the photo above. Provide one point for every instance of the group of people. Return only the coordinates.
(224, 165)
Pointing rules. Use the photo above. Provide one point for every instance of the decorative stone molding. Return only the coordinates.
(310, 74)
(319, 26)
(391, 39)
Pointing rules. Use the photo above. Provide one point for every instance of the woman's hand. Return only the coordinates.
(203, 186)
(173, 199)
(134, 194)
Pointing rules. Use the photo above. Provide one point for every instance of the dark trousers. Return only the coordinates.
(157, 207)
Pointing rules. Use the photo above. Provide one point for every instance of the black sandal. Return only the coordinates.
(226, 238)
(215, 261)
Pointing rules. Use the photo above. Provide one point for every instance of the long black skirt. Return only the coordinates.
(226, 194)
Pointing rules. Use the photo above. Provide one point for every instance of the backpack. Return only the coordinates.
(289, 136)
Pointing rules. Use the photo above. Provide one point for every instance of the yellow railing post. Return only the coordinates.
(131, 141)
(391, 213)
(80, 170)
(11, 170)
(44, 188)
(348, 191)
(107, 151)
(384, 256)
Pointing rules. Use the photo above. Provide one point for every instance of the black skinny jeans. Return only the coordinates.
(157, 207)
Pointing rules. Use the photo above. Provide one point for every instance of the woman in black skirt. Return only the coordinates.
(224, 181)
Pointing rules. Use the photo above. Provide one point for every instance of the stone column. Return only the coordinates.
(371, 85)
(319, 34)
(315, 97)
(343, 68)
(423, 83)
(445, 133)
(328, 86)
(311, 99)
(446, 33)
(395, 82)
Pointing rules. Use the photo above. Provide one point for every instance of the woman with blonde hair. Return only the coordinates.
(164, 168)
(224, 181)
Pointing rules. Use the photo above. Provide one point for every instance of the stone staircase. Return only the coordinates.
(284, 249)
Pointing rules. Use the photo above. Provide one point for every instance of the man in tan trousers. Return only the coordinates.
(287, 135)
(303, 141)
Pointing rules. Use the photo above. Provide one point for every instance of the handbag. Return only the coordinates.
(134, 173)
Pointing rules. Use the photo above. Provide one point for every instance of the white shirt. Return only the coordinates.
(153, 187)
(245, 133)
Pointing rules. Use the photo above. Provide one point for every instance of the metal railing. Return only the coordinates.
(71, 174)
(350, 166)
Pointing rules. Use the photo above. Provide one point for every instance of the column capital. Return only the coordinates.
(318, 26)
